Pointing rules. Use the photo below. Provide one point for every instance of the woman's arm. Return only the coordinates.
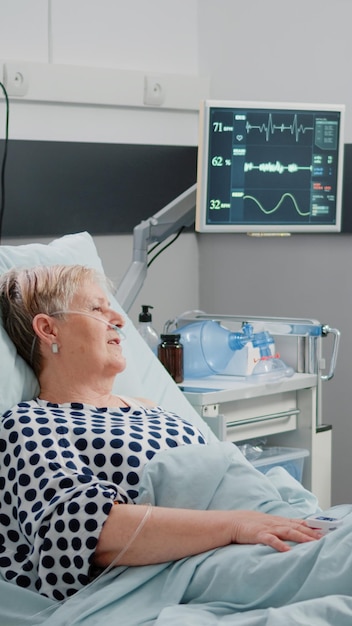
(172, 534)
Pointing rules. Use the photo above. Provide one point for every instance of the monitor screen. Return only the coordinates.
(269, 167)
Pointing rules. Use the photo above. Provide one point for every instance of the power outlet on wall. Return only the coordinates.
(16, 78)
(154, 91)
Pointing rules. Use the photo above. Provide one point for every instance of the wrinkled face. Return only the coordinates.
(86, 342)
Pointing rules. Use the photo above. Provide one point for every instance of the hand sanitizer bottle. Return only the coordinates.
(146, 329)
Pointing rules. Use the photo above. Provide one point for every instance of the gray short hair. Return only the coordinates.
(43, 289)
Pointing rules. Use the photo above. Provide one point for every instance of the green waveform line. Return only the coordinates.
(270, 128)
(276, 168)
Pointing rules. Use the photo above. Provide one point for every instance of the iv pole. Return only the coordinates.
(179, 212)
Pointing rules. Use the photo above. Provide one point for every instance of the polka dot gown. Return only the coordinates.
(62, 467)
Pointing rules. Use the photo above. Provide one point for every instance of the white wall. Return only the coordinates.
(296, 52)
(157, 36)
(106, 34)
(300, 52)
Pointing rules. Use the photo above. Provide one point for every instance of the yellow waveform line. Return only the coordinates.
(285, 195)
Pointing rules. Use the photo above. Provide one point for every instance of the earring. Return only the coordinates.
(54, 348)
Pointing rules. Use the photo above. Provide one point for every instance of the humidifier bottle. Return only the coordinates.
(208, 347)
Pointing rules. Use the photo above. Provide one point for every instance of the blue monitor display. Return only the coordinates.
(269, 167)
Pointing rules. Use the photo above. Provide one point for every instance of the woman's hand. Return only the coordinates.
(172, 534)
(271, 530)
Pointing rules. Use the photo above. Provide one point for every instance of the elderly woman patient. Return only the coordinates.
(72, 458)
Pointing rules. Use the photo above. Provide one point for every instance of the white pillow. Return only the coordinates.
(144, 375)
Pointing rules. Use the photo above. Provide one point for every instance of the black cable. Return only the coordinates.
(3, 165)
(164, 247)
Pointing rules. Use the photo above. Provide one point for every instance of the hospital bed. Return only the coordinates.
(132, 596)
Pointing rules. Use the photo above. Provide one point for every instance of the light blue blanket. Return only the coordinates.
(240, 585)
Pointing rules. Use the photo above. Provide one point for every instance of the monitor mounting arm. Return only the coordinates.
(178, 213)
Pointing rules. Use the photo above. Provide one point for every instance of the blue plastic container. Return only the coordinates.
(291, 459)
(208, 347)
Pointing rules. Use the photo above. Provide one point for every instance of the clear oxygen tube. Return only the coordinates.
(113, 563)
(94, 317)
(147, 513)
(98, 319)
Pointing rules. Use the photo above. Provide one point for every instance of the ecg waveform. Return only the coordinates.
(276, 168)
(270, 128)
(277, 206)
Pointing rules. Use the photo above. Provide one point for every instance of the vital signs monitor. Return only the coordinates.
(269, 167)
